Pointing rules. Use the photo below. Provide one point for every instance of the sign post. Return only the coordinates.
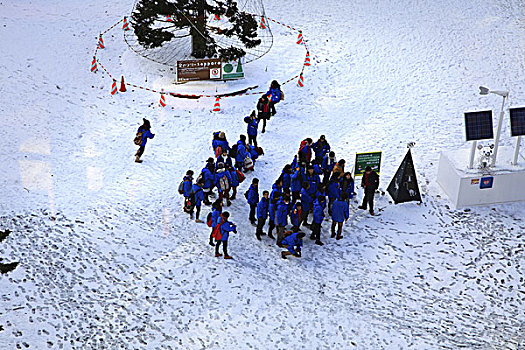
(205, 69)
(371, 159)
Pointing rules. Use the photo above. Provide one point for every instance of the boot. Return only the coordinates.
(372, 212)
(339, 237)
(217, 255)
(228, 203)
(333, 235)
(137, 159)
(199, 221)
(228, 257)
(362, 207)
(318, 242)
(282, 255)
(212, 244)
(271, 236)
(258, 236)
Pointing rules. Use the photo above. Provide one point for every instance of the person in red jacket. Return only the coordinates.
(370, 183)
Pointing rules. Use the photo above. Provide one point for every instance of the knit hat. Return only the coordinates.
(222, 135)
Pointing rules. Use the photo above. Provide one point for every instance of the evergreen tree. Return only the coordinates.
(152, 28)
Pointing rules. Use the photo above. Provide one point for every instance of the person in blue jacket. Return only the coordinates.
(328, 165)
(253, 124)
(225, 227)
(215, 214)
(234, 181)
(293, 242)
(208, 175)
(187, 183)
(333, 192)
(296, 181)
(306, 201)
(219, 140)
(321, 148)
(281, 218)
(319, 206)
(223, 182)
(275, 95)
(272, 209)
(340, 213)
(296, 215)
(252, 196)
(225, 159)
(312, 179)
(145, 129)
(262, 214)
(198, 197)
(241, 153)
(277, 187)
(252, 151)
(286, 176)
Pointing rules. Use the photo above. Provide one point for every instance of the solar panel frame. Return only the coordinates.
(517, 121)
(478, 125)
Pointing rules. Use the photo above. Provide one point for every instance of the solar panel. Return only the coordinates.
(478, 125)
(517, 121)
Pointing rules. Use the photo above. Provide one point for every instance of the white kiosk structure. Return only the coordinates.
(485, 181)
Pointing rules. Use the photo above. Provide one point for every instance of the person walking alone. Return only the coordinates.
(143, 134)
(370, 183)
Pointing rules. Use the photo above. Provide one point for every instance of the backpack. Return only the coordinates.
(217, 234)
(224, 184)
(138, 138)
(208, 219)
(259, 151)
(282, 95)
(233, 151)
(240, 175)
(218, 151)
(303, 145)
(248, 164)
(181, 187)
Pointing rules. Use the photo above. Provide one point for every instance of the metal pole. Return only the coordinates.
(472, 153)
(498, 133)
(516, 151)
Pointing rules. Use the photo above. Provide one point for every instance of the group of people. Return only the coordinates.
(313, 183)
(226, 171)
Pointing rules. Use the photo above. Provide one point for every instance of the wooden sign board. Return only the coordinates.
(205, 69)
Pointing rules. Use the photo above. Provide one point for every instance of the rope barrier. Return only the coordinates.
(195, 96)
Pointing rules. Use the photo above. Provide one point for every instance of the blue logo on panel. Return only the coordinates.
(486, 182)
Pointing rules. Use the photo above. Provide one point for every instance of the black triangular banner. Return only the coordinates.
(403, 187)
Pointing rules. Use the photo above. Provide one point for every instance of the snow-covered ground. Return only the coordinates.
(109, 260)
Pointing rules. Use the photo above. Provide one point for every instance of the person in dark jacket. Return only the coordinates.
(339, 167)
(272, 209)
(198, 197)
(293, 242)
(321, 148)
(340, 214)
(305, 151)
(219, 140)
(262, 214)
(281, 218)
(215, 214)
(145, 129)
(370, 183)
(347, 186)
(252, 196)
(319, 206)
(253, 124)
(296, 216)
(225, 159)
(275, 95)
(328, 165)
(286, 176)
(313, 180)
(225, 228)
(223, 182)
(306, 201)
(263, 110)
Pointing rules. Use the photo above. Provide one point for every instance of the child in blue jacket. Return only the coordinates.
(215, 214)
(223, 182)
(253, 124)
(275, 95)
(252, 196)
(219, 140)
(321, 147)
(262, 214)
(306, 201)
(225, 228)
(293, 242)
(272, 209)
(296, 215)
(198, 197)
(333, 192)
(145, 129)
(319, 205)
(340, 213)
(234, 181)
(281, 218)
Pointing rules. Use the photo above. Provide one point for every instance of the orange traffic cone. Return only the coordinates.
(262, 24)
(217, 18)
(125, 25)
(122, 85)
(100, 44)
(217, 105)
(168, 18)
(300, 81)
(162, 101)
(300, 38)
(94, 68)
(307, 59)
(114, 87)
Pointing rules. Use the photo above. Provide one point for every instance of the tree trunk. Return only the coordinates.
(198, 32)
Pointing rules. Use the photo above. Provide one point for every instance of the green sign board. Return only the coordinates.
(371, 159)
(232, 70)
